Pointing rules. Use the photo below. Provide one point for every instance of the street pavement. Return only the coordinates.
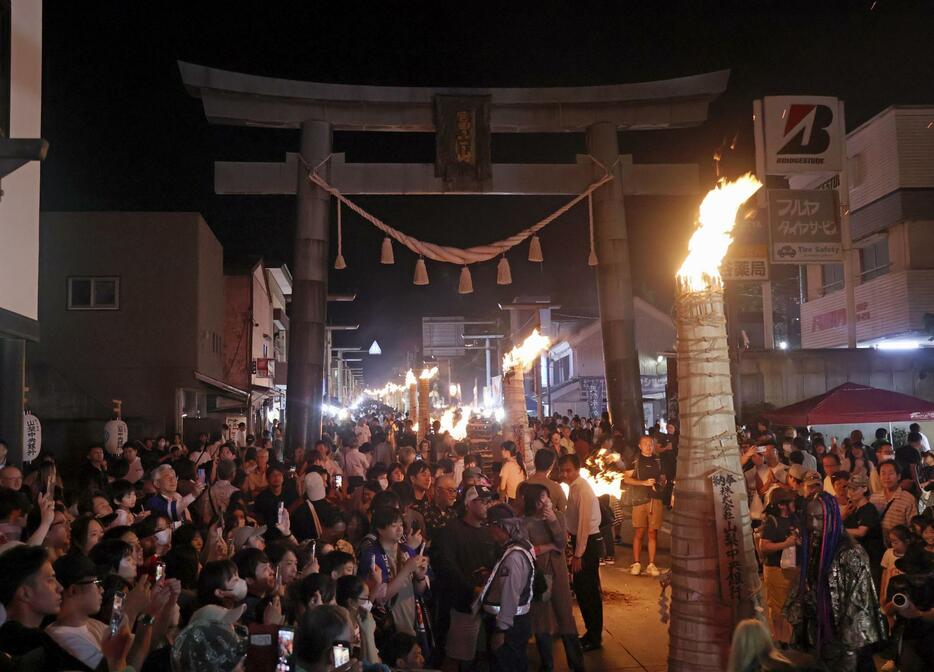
(634, 638)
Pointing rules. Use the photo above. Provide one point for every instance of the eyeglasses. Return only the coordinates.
(89, 582)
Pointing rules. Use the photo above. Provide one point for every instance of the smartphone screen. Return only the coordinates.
(202, 476)
(281, 509)
(338, 481)
(116, 612)
(340, 655)
(278, 578)
(159, 573)
(286, 638)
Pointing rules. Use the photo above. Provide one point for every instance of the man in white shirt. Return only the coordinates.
(362, 432)
(583, 522)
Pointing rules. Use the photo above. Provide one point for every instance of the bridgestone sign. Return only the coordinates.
(802, 134)
(804, 226)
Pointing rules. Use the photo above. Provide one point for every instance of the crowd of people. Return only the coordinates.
(372, 549)
(845, 535)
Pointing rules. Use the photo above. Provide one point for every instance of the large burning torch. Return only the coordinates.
(516, 420)
(424, 401)
(714, 580)
(411, 395)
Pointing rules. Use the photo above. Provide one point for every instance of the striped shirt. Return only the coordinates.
(897, 510)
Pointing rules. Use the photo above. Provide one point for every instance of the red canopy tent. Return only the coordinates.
(853, 404)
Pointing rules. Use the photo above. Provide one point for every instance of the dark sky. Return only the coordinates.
(124, 134)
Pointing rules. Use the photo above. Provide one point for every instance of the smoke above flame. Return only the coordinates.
(712, 238)
(410, 378)
(522, 356)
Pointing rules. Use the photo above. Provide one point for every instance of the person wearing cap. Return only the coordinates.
(862, 522)
(249, 537)
(79, 634)
(209, 646)
(813, 484)
(465, 554)
(506, 599)
(777, 545)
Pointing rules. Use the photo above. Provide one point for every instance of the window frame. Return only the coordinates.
(867, 274)
(835, 285)
(93, 279)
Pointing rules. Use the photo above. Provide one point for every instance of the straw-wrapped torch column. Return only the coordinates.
(516, 419)
(714, 578)
(424, 402)
(411, 403)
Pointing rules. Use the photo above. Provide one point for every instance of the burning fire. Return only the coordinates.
(428, 374)
(602, 471)
(454, 421)
(712, 238)
(522, 356)
(410, 378)
(385, 391)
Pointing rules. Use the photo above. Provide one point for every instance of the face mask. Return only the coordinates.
(366, 605)
(127, 570)
(239, 589)
(383, 483)
(163, 537)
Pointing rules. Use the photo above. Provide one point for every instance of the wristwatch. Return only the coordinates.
(145, 619)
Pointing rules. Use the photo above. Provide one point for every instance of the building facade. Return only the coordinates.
(891, 187)
(132, 307)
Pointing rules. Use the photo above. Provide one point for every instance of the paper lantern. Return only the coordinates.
(32, 437)
(115, 435)
(421, 272)
(386, 256)
(535, 250)
(466, 284)
(503, 272)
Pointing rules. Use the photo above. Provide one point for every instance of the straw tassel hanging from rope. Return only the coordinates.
(339, 262)
(421, 272)
(535, 249)
(386, 255)
(503, 272)
(592, 259)
(465, 286)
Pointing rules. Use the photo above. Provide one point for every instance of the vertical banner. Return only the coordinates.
(462, 141)
(726, 505)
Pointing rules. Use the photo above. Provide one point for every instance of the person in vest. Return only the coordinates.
(506, 599)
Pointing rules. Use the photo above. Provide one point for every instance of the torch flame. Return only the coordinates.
(454, 421)
(428, 374)
(712, 238)
(410, 378)
(523, 355)
(602, 471)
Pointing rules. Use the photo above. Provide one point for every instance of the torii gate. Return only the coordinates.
(318, 109)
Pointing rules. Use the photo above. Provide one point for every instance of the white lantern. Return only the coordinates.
(32, 437)
(115, 435)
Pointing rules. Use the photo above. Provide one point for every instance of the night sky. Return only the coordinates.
(125, 135)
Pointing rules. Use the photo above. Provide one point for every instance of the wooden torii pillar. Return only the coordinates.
(319, 109)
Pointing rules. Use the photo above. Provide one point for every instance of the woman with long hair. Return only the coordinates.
(552, 614)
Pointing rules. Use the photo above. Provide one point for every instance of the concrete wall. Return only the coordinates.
(149, 347)
(237, 330)
(19, 207)
(778, 378)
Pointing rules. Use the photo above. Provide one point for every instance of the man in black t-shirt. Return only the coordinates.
(648, 482)
(908, 458)
(779, 533)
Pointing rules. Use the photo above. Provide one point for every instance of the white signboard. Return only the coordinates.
(803, 134)
(32, 437)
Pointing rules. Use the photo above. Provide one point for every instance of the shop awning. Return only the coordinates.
(228, 390)
(851, 403)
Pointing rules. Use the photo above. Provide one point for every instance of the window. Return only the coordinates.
(93, 293)
(561, 370)
(831, 276)
(874, 259)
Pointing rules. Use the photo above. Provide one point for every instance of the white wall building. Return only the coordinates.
(891, 188)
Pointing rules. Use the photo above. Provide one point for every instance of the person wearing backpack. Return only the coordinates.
(648, 483)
